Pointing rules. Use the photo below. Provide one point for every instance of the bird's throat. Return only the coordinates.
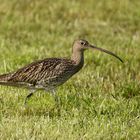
(78, 58)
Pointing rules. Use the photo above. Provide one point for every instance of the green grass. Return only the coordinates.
(103, 100)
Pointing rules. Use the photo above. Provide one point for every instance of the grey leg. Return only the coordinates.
(56, 98)
(29, 96)
(53, 92)
(57, 102)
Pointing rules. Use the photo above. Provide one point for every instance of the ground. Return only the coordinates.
(102, 101)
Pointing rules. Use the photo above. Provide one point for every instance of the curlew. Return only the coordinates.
(50, 73)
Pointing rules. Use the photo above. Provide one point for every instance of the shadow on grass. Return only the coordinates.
(70, 105)
(128, 90)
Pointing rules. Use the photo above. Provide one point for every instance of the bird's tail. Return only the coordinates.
(4, 79)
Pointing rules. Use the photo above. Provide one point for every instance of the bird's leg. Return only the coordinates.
(57, 102)
(29, 95)
(53, 91)
(56, 98)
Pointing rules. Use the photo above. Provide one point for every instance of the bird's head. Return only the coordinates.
(82, 45)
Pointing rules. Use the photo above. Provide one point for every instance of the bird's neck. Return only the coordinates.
(78, 58)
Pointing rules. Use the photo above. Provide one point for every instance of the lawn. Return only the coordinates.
(102, 101)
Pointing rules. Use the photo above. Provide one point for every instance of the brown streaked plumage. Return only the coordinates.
(49, 73)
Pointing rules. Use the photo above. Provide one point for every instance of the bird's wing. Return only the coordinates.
(35, 71)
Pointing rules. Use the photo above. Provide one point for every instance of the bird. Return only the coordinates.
(49, 73)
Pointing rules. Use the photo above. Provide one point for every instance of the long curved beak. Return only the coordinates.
(106, 51)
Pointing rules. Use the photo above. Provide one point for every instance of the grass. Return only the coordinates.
(103, 100)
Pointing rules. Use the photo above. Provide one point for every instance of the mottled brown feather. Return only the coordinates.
(47, 72)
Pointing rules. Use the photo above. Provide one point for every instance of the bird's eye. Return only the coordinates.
(82, 43)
